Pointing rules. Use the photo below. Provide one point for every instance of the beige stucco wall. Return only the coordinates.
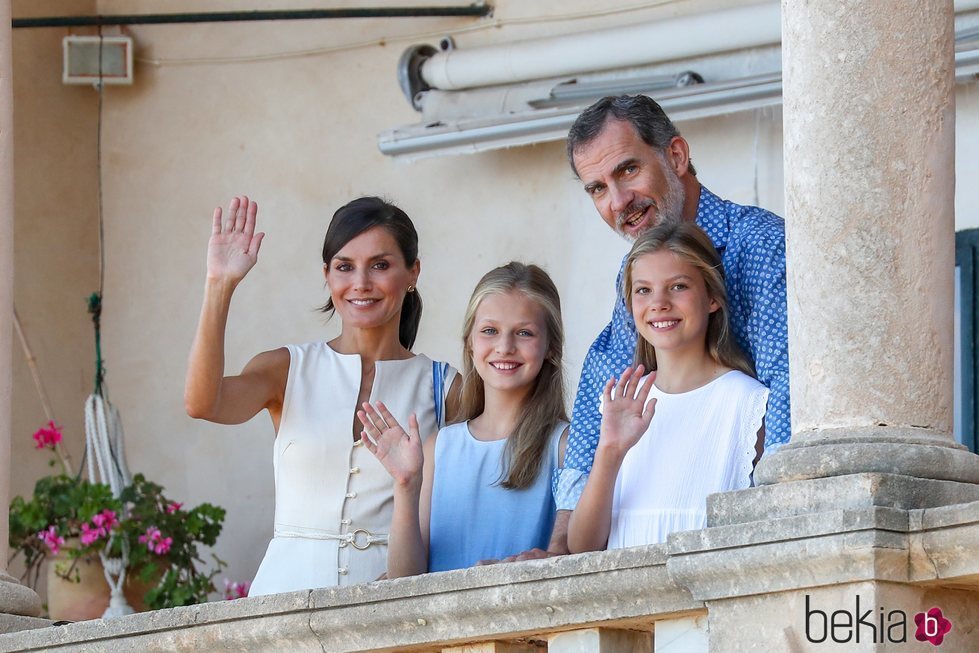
(55, 241)
(297, 134)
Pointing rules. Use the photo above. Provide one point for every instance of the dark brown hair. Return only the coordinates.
(365, 213)
(647, 117)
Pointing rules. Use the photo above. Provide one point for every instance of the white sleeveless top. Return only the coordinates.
(699, 442)
(333, 499)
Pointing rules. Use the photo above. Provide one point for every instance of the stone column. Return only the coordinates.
(869, 126)
(15, 599)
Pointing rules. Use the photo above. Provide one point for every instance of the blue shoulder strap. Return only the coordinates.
(439, 372)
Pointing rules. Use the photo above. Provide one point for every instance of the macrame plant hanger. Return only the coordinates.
(106, 456)
(104, 448)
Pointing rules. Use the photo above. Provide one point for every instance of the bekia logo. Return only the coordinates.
(877, 626)
(932, 626)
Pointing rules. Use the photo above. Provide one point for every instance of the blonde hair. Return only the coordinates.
(544, 406)
(687, 241)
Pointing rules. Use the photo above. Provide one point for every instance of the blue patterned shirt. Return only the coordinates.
(751, 242)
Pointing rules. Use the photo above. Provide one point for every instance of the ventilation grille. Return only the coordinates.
(81, 60)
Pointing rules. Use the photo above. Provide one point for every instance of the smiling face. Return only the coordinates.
(508, 341)
(368, 279)
(670, 303)
(632, 184)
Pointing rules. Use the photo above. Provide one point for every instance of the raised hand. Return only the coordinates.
(233, 247)
(626, 416)
(399, 452)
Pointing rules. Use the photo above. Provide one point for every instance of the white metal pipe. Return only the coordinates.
(523, 128)
(620, 47)
(633, 45)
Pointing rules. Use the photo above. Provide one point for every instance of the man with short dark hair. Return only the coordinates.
(636, 167)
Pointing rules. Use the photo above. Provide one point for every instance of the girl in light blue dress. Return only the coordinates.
(480, 489)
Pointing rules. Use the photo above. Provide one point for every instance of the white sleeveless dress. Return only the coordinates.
(333, 500)
(698, 443)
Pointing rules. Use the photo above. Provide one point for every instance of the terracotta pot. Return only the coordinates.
(88, 598)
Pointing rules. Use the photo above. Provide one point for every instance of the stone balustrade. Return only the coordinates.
(672, 598)
(521, 602)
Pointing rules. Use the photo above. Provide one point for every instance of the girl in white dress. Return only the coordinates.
(481, 489)
(333, 500)
(651, 475)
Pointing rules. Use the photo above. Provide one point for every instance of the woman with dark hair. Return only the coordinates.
(333, 500)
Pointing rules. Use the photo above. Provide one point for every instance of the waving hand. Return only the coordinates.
(399, 452)
(626, 416)
(233, 247)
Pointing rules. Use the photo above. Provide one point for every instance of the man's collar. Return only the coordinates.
(712, 217)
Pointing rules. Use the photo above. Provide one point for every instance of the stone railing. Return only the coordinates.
(518, 605)
(751, 577)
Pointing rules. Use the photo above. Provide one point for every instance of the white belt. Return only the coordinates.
(359, 538)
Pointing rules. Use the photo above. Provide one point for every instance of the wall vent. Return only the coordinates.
(81, 60)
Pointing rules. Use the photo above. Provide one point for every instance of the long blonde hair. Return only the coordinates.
(687, 241)
(544, 406)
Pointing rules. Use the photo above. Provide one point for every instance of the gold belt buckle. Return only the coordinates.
(366, 542)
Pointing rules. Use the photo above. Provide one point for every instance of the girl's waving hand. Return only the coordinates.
(625, 413)
(402, 456)
(400, 452)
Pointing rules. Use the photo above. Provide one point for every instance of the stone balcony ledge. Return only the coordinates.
(651, 588)
(625, 588)
(831, 531)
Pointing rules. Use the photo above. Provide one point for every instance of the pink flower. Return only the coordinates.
(155, 542)
(102, 523)
(105, 520)
(174, 507)
(235, 590)
(163, 546)
(152, 534)
(89, 535)
(48, 436)
(51, 538)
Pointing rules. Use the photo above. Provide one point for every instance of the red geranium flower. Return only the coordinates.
(48, 436)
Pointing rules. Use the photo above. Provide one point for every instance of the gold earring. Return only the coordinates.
(411, 288)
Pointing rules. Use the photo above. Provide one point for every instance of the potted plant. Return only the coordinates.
(75, 519)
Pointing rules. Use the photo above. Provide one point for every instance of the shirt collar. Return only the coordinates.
(712, 217)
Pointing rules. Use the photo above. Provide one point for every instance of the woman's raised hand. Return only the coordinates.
(399, 452)
(626, 416)
(233, 247)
